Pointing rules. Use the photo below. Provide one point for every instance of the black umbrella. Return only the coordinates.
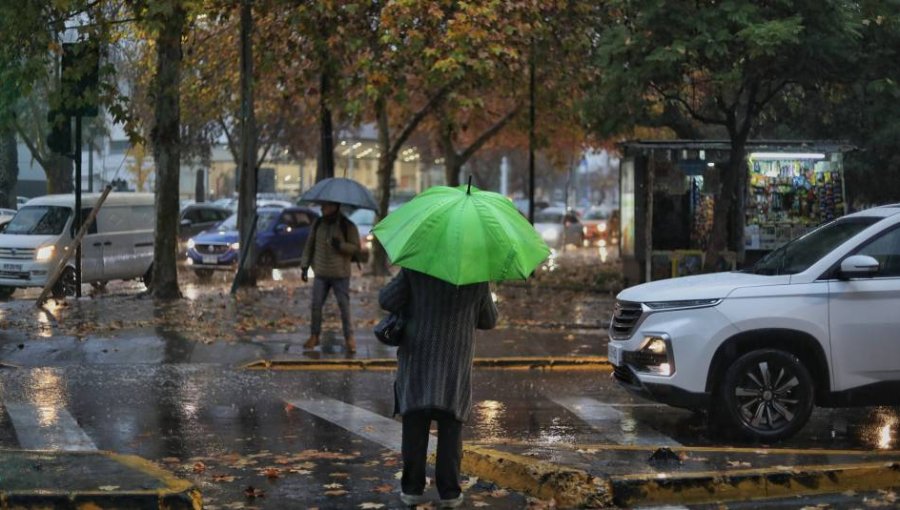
(342, 191)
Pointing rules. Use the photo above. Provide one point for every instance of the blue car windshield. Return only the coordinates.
(801, 253)
(264, 221)
(39, 220)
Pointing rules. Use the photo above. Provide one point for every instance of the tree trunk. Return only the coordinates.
(452, 161)
(728, 213)
(9, 168)
(166, 140)
(385, 167)
(247, 195)
(325, 166)
(59, 171)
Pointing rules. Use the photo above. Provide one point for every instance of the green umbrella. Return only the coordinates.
(462, 235)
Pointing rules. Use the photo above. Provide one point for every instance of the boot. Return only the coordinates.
(351, 344)
(311, 343)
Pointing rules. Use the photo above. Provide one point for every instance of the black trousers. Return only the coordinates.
(416, 425)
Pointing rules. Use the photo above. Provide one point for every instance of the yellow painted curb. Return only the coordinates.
(775, 482)
(179, 494)
(570, 488)
(590, 363)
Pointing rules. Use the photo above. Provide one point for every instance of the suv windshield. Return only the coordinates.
(264, 220)
(797, 255)
(39, 220)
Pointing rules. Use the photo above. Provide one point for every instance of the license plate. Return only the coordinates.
(614, 355)
(210, 259)
(12, 267)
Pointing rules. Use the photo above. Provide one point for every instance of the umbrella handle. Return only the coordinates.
(469, 189)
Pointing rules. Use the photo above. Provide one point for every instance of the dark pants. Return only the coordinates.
(341, 287)
(416, 425)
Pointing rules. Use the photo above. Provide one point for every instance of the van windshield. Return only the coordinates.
(39, 220)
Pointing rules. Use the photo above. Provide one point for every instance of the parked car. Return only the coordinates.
(196, 218)
(596, 227)
(117, 246)
(812, 323)
(558, 227)
(364, 219)
(281, 233)
(6, 215)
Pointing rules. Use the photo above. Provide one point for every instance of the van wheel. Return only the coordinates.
(65, 285)
(203, 275)
(265, 263)
(767, 394)
(6, 292)
(147, 279)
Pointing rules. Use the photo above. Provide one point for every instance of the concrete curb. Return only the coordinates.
(178, 494)
(508, 363)
(570, 488)
(740, 485)
(576, 488)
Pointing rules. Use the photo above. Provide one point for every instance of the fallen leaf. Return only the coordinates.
(333, 485)
(252, 492)
(336, 493)
(479, 504)
(108, 488)
(271, 473)
(499, 493)
(371, 505)
(339, 475)
(738, 464)
(384, 489)
(199, 467)
(222, 478)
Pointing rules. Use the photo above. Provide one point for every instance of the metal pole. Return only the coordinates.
(531, 135)
(91, 161)
(78, 219)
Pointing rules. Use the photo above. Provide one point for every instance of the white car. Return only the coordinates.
(815, 322)
(558, 227)
(6, 215)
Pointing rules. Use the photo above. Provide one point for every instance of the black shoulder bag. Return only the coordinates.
(390, 330)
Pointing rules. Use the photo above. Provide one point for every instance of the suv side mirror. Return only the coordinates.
(859, 266)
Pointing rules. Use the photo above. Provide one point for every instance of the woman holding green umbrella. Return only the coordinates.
(450, 243)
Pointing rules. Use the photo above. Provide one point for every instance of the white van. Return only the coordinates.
(118, 245)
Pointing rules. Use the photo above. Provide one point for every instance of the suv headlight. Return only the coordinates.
(235, 246)
(689, 303)
(191, 244)
(655, 356)
(44, 253)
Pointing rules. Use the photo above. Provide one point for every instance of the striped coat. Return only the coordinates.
(434, 361)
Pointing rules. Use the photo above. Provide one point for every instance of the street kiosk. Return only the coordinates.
(667, 198)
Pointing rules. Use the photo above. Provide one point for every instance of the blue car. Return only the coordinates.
(280, 237)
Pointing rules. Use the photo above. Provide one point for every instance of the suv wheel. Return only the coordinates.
(767, 395)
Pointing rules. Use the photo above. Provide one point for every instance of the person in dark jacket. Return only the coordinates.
(434, 373)
(332, 243)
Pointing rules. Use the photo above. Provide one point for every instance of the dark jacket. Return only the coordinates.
(434, 361)
(319, 252)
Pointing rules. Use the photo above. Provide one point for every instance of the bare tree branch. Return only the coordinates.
(419, 116)
(691, 111)
(488, 134)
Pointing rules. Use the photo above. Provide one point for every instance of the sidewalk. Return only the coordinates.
(31, 479)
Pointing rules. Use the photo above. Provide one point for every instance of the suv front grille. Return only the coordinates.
(625, 317)
(211, 249)
(17, 253)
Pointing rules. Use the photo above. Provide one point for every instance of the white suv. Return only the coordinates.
(815, 322)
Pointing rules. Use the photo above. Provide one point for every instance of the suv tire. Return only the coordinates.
(65, 285)
(766, 395)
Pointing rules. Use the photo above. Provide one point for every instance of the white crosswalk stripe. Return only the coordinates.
(47, 427)
(362, 422)
(615, 425)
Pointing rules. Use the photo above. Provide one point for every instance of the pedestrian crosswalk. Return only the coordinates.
(52, 427)
(47, 427)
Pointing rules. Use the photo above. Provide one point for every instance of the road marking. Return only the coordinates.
(362, 422)
(618, 427)
(47, 427)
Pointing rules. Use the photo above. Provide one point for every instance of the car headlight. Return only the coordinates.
(235, 246)
(601, 227)
(688, 303)
(655, 356)
(45, 253)
(191, 244)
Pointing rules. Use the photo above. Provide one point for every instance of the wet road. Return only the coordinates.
(298, 435)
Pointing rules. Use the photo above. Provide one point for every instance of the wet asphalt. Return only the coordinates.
(163, 381)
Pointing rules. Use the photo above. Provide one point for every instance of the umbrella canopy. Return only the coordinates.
(462, 235)
(341, 191)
